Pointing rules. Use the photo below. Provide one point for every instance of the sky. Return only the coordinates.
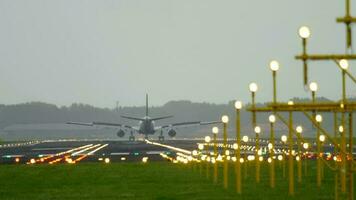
(101, 51)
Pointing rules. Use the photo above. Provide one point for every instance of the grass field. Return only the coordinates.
(155, 180)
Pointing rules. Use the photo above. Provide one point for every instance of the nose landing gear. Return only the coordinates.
(131, 138)
(161, 137)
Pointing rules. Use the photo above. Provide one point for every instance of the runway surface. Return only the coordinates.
(86, 151)
(76, 151)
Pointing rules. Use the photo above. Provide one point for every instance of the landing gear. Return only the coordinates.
(161, 137)
(131, 138)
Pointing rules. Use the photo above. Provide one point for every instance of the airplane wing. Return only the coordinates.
(132, 118)
(80, 123)
(159, 118)
(102, 124)
(185, 124)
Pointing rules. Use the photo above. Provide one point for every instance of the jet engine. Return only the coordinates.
(120, 133)
(172, 133)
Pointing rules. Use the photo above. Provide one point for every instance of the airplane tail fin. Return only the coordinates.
(146, 104)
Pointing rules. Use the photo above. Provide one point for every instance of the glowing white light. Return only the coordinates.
(290, 103)
(284, 138)
(274, 65)
(245, 138)
(280, 157)
(253, 87)
(207, 139)
(341, 129)
(225, 119)
(235, 146)
(269, 160)
(299, 129)
(107, 160)
(242, 160)
(319, 118)
(304, 32)
(215, 130)
(344, 64)
(260, 158)
(313, 86)
(270, 146)
(257, 129)
(322, 138)
(272, 118)
(305, 145)
(238, 105)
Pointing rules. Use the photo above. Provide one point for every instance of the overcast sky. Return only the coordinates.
(98, 52)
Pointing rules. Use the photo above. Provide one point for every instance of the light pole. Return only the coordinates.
(257, 130)
(306, 147)
(272, 120)
(304, 33)
(225, 120)
(284, 141)
(215, 131)
(274, 66)
(344, 64)
(318, 119)
(238, 106)
(299, 130)
(207, 140)
(200, 147)
(245, 140)
(253, 89)
(290, 158)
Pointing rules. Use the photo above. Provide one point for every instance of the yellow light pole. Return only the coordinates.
(257, 130)
(215, 131)
(195, 154)
(290, 159)
(245, 140)
(299, 130)
(306, 147)
(225, 120)
(253, 89)
(318, 119)
(284, 141)
(344, 64)
(200, 147)
(207, 140)
(238, 106)
(322, 140)
(304, 33)
(274, 66)
(272, 120)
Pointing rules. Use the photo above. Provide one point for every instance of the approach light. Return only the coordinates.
(313, 86)
(253, 87)
(322, 138)
(305, 145)
(200, 146)
(32, 161)
(269, 160)
(299, 129)
(145, 159)
(304, 32)
(270, 146)
(238, 105)
(272, 118)
(344, 64)
(274, 65)
(107, 160)
(225, 119)
(235, 146)
(195, 152)
(280, 157)
(257, 129)
(215, 130)
(242, 160)
(284, 138)
(319, 118)
(245, 138)
(207, 139)
(290, 103)
(341, 129)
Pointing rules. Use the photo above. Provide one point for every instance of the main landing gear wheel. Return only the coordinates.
(160, 138)
(132, 138)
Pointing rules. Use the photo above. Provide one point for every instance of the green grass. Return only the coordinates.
(155, 180)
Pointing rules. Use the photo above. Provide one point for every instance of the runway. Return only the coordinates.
(74, 151)
(78, 151)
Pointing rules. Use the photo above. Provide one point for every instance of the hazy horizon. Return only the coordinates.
(100, 52)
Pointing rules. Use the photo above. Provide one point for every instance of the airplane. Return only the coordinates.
(146, 125)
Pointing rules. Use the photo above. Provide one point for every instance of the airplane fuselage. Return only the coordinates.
(146, 126)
